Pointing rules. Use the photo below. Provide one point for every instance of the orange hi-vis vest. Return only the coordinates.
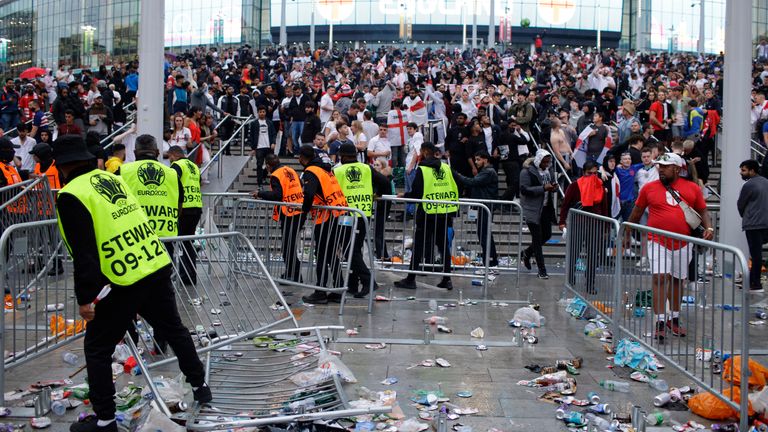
(292, 191)
(331, 195)
(52, 173)
(11, 178)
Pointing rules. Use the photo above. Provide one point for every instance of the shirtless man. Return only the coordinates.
(560, 145)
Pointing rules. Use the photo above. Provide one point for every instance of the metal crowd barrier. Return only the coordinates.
(644, 276)
(261, 366)
(506, 233)
(41, 313)
(299, 253)
(27, 201)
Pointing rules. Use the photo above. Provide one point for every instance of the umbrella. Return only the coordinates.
(32, 73)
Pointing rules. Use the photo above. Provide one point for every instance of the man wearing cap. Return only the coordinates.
(44, 164)
(156, 186)
(285, 187)
(433, 182)
(111, 242)
(665, 198)
(191, 208)
(626, 120)
(360, 183)
(322, 188)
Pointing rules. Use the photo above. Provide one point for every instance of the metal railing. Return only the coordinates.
(757, 150)
(48, 116)
(218, 156)
(27, 201)
(130, 121)
(216, 127)
(651, 284)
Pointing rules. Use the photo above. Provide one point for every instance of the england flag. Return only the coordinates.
(580, 154)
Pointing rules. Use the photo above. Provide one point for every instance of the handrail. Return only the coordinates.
(48, 116)
(714, 192)
(214, 128)
(108, 141)
(755, 143)
(217, 156)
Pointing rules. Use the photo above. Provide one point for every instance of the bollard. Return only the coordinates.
(636, 417)
(427, 335)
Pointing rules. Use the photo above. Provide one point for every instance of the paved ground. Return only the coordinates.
(490, 375)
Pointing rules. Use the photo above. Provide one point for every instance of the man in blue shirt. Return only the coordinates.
(131, 85)
(626, 172)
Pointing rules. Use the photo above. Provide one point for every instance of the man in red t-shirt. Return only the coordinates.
(660, 117)
(669, 258)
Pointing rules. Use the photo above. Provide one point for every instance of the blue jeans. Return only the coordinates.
(9, 120)
(297, 127)
(410, 208)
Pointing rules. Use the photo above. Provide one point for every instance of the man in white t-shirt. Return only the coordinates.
(378, 146)
(326, 105)
(414, 146)
(262, 141)
(23, 144)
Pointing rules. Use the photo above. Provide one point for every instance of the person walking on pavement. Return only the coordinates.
(537, 185)
(484, 187)
(665, 198)
(433, 182)
(191, 210)
(262, 139)
(753, 209)
(285, 187)
(587, 194)
(360, 184)
(157, 188)
(97, 216)
(321, 188)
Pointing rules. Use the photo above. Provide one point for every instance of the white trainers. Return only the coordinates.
(643, 263)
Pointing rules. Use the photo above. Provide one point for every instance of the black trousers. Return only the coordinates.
(755, 241)
(359, 271)
(511, 169)
(261, 171)
(152, 298)
(540, 234)
(290, 227)
(188, 262)
(431, 232)
(330, 242)
(483, 225)
(380, 218)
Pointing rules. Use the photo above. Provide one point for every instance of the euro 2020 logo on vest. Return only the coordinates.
(109, 188)
(289, 175)
(150, 175)
(353, 174)
(439, 174)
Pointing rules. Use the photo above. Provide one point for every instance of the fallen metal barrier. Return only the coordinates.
(255, 353)
(668, 280)
(299, 252)
(41, 313)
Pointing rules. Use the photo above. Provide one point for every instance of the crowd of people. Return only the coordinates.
(610, 132)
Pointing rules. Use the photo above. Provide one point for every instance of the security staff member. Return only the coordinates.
(359, 182)
(434, 181)
(322, 188)
(10, 175)
(286, 187)
(191, 209)
(45, 165)
(111, 242)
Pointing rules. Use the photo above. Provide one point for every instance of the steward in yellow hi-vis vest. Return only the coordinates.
(191, 209)
(433, 181)
(360, 184)
(156, 186)
(112, 244)
(285, 185)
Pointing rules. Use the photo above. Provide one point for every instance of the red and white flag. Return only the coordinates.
(580, 153)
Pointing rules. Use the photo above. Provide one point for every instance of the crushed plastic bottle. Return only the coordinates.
(658, 384)
(657, 418)
(601, 423)
(69, 358)
(619, 386)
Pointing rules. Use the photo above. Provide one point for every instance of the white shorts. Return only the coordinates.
(669, 261)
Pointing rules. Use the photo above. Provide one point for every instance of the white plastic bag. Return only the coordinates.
(158, 422)
(528, 316)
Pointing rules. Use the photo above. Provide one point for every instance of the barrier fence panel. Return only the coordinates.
(41, 312)
(259, 363)
(298, 251)
(591, 266)
(668, 281)
(27, 201)
(506, 234)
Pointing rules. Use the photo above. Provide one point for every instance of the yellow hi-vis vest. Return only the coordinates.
(439, 185)
(156, 186)
(356, 182)
(190, 181)
(129, 250)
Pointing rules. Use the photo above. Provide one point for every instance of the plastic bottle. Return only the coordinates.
(657, 418)
(59, 407)
(761, 314)
(619, 386)
(433, 305)
(69, 358)
(601, 423)
(658, 384)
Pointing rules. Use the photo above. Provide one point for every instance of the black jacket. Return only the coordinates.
(485, 185)
(295, 108)
(253, 137)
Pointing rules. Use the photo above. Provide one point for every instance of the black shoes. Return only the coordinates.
(406, 283)
(543, 274)
(90, 424)
(203, 394)
(317, 297)
(334, 298)
(446, 283)
(526, 260)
